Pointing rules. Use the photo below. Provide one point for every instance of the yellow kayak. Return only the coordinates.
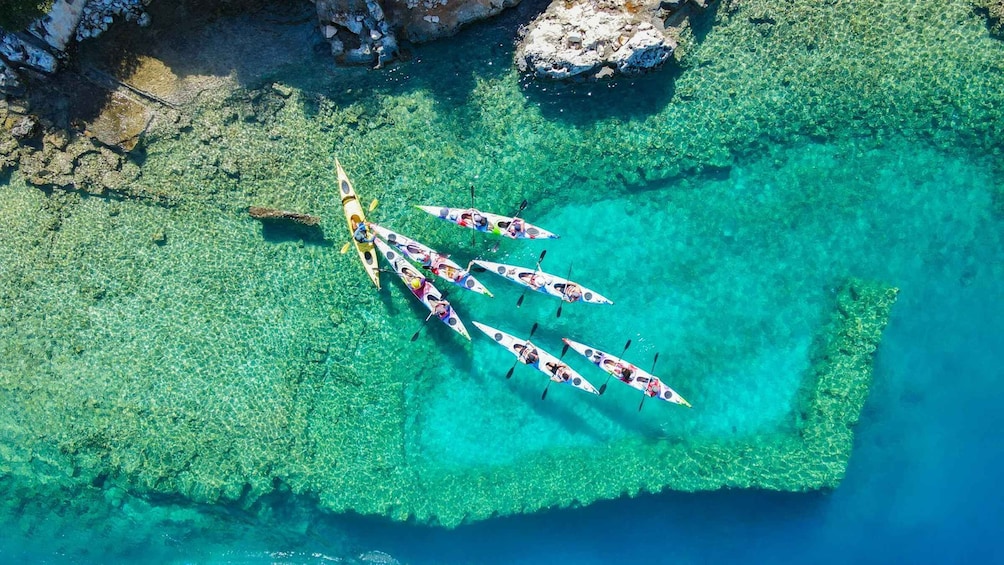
(354, 215)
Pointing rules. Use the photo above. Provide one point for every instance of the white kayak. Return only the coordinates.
(627, 373)
(543, 282)
(508, 226)
(530, 354)
(422, 289)
(438, 263)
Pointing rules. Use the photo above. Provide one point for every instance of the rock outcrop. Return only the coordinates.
(367, 31)
(594, 39)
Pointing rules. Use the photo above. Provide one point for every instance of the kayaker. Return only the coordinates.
(531, 280)
(558, 370)
(569, 291)
(527, 355)
(361, 233)
(480, 221)
(440, 308)
(515, 227)
(414, 280)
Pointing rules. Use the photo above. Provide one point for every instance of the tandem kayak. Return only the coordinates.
(627, 373)
(508, 226)
(543, 282)
(438, 263)
(423, 289)
(530, 354)
(354, 216)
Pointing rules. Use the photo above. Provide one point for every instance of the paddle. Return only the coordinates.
(513, 368)
(414, 337)
(522, 206)
(563, 289)
(374, 204)
(564, 350)
(604, 387)
(345, 248)
(472, 216)
(535, 271)
(643, 394)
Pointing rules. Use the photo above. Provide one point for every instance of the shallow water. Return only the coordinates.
(725, 273)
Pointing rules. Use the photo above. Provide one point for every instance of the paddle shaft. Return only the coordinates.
(564, 350)
(604, 387)
(535, 271)
(563, 289)
(522, 206)
(644, 392)
(519, 358)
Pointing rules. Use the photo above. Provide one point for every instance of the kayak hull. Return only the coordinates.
(354, 215)
(440, 265)
(496, 224)
(424, 290)
(543, 361)
(546, 283)
(637, 378)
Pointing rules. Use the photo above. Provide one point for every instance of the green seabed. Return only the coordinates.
(729, 210)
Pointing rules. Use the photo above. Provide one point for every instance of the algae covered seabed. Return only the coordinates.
(168, 368)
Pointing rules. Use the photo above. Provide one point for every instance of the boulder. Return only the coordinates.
(596, 39)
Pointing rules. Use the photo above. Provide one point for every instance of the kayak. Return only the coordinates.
(627, 373)
(537, 358)
(543, 282)
(487, 222)
(354, 215)
(438, 263)
(423, 290)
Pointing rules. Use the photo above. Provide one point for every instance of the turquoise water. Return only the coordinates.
(727, 272)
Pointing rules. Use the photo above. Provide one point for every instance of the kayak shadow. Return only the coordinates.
(556, 408)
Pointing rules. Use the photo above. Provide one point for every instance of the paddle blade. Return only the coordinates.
(564, 350)
(415, 337)
(559, 310)
(543, 396)
(374, 204)
(345, 248)
(522, 205)
(642, 403)
(533, 329)
(542, 254)
(654, 361)
(509, 372)
(520, 301)
(603, 389)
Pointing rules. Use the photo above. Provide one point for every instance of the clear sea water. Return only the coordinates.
(719, 206)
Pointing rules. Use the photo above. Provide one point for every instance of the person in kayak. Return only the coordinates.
(620, 370)
(480, 221)
(515, 228)
(527, 355)
(531, 279)
(415, 281)
(361, 233)
(559, 371)
(569, 291)
(440, 308)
